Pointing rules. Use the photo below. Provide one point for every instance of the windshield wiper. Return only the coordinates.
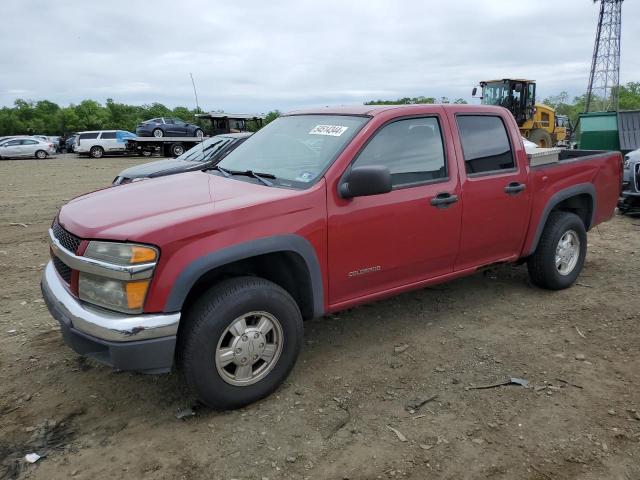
(224, 171)
(262, 177)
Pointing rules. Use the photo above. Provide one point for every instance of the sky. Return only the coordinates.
(257, 56)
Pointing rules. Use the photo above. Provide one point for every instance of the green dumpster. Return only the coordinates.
(599, 131)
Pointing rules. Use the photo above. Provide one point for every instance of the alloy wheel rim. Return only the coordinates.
(157, 133)
(249, 348)
(567, 252)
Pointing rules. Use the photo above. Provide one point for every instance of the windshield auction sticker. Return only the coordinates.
(331, 130)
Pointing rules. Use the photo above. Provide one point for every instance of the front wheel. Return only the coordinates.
(158, 133)
(240, 341)
(561, 252)
(41, 154)
(198, 133)
(541, 137)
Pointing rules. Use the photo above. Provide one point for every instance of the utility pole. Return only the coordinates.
(604, 79)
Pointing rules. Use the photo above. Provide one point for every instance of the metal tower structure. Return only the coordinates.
(604, 79)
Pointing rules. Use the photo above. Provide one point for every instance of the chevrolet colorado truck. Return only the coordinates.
(322, 210)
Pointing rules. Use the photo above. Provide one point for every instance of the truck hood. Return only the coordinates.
(135, 211)
(161, 167)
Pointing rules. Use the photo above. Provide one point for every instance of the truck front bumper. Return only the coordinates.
(143, 343)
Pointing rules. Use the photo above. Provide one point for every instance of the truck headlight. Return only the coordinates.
(626, 162)
(121, 253)
(125, 296)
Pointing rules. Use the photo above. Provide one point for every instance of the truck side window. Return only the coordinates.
(108, 135)
(411, 149)
(485, 144)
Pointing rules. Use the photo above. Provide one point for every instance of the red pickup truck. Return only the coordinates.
(320, 211)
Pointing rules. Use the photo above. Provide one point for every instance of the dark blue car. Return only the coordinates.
(168, 127)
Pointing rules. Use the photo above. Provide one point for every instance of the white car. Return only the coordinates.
(100, 142)
(26, 147)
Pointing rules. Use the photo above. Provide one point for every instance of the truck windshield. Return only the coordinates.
(205, 150)
(296, 149)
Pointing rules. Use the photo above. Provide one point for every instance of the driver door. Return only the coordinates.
(384, 242)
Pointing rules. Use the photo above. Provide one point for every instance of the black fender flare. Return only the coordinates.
(279, 243)
(556, 198)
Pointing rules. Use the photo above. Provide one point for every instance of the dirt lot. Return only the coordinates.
(579, 418)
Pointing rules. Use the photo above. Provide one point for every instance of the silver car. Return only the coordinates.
(26, 147)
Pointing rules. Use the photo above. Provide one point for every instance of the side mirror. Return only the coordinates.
(363, 181)
(474, 91)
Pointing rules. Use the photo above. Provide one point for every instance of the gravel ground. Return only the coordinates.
(350, 408)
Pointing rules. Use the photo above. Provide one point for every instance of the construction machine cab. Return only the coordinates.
(537, 122)
(516, 95)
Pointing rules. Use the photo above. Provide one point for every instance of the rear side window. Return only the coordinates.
(411, 149)
(485, 144)
(85, 136)
(29, 142)
(108, 135)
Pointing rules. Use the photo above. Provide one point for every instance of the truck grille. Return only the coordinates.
(66, 239)
(636, 174)
(70, 242)
(63, 270)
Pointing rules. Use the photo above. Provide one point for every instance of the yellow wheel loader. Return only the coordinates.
(538, 122)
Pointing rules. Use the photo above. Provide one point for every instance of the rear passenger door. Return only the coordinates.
(29, 147)
(495, 193)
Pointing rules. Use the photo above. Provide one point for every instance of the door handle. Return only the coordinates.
(443, 200)
(514, 188)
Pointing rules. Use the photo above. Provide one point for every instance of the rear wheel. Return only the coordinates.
(96, 152)
(561, 252)
(541, 138)
(41, 154)
(177, 149)
(240, 341)
(158, 133)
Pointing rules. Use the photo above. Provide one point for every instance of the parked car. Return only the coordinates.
(630, 197)
(26, 147)
(219, 268)
(101, 142)
(168, 127)
(204, 155)
(70, 142)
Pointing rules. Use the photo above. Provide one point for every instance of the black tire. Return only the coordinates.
(205, 327)
(541, 138)
(41, 155)
(542, 267)
(96, 152)
(157, 132)
(198, 133)
(177, 149)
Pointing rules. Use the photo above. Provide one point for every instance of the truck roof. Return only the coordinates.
(373, 110)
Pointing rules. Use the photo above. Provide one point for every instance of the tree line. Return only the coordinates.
(44, 117)
(48, 118)
(629, 99)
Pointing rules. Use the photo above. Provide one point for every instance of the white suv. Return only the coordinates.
(100, 142)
